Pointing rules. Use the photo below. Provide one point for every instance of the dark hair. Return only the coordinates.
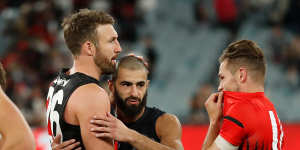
(245, 53)
(81, 27)
(131, 62)
(2, 77)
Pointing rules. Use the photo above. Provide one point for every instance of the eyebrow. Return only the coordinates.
(125, 82)
(140, 82)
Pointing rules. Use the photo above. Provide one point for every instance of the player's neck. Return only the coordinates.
(252, 88)
(127, 119)
(87, 66)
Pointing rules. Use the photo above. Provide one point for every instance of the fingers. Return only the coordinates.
(100, 117)
(131, 54)
(100, 129)
(104, 123)
(220, 98)
(110, 116)
(68, 143)
(211, 98)
(103, 135)
(107, 117)
(57, 139)
(72, 146)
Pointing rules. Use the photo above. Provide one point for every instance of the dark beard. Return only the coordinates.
(130, 111)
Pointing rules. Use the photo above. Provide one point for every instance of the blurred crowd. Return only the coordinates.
(33, 49)
(281, 16)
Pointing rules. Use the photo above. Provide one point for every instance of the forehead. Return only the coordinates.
(223, 67)
(106, 31)
(131, 75)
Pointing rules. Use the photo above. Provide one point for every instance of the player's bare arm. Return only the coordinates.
(66, 145)
(98, 104)
(214, 109)
(213, 140)
(16, 134)
(109, 126)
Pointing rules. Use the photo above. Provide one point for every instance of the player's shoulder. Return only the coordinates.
(90, 90)
(168, 125)
(167, 119)
(89, 95)
(237, 108)
(238, 111)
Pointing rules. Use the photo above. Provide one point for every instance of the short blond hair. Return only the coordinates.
(245, 53)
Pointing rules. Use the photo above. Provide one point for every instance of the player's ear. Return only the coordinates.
(147, 83)
(243, 75)
(89, 48)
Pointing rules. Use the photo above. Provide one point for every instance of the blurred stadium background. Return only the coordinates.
(181, 39)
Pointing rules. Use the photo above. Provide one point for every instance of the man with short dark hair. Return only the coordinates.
(241, 116)
(140, 127)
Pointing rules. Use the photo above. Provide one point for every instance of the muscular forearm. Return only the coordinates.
(212, 134)
(141, 142)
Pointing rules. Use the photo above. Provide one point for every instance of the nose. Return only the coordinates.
(118, 47)
(134, 91)
(220, 88)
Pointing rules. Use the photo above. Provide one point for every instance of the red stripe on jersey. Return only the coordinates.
(116, 145)
(49, 128)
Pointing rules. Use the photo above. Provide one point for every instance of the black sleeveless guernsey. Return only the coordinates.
(59, 93)
(145, 125)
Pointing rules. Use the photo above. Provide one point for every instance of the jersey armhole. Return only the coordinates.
(222, 144)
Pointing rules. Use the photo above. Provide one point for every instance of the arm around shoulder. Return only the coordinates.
(91, 100)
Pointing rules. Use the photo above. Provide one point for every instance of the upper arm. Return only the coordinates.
(16, 134)
(168, 129)
(233, 126)
(221, 144)
(90, 101)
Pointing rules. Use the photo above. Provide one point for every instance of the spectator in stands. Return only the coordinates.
(200, 13)
(198, 114)
(151, 55)
(127, 18)
(291, 19)
(227, 14)
(278, 42)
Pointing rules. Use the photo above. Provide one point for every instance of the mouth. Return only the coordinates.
(133, 101)
(114, 60)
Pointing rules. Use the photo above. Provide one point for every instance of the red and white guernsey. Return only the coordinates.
(251, 122)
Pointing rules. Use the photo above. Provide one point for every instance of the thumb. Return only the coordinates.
(57, 139)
